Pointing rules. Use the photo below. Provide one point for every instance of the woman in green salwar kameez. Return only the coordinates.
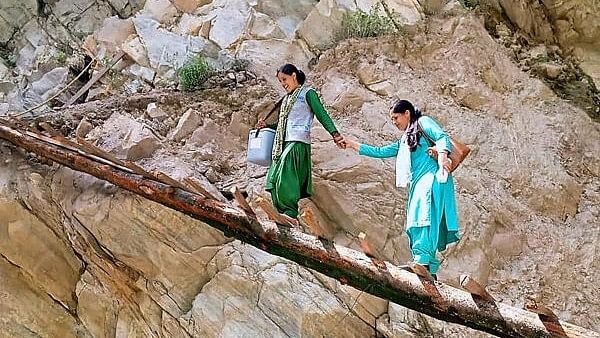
(432, 220)
(289, 177)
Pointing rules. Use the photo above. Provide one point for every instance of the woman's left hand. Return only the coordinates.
(445, 160)
(448, 164)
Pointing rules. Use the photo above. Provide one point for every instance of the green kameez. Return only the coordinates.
(290, 178)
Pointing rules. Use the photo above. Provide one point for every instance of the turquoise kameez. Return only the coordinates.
(290, 178)
(432, 218)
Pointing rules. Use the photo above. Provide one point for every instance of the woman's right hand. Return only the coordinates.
(261, 124)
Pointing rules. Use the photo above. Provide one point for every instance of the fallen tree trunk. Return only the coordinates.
(373, 276)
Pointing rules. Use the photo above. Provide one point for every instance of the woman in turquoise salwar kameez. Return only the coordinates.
(432, 220)
(289, 177)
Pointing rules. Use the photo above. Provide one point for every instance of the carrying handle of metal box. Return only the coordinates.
(275, 107)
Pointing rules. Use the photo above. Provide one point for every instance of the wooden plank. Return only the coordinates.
(539, 308)
(309, 218)
(474, 288)
(198, 188)
(69, 145)
(166, 179)
(364, 245)
(95, 78)
(418, 270)
(239, 198)
(274, 215)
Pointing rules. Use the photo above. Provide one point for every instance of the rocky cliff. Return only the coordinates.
(80, 258)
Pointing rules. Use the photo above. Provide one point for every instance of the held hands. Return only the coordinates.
(339, 140)
(352, 144)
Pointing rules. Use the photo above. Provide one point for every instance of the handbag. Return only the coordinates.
(457, 154)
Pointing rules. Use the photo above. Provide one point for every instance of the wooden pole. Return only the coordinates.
(351, 267)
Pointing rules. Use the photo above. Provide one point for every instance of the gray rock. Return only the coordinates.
(3, 70)
(13, 15)
(154, 111)
(83, 128)
(141, 72)
(126, 137)
(26, 59)
(188, 122)
(551, 70)
(230, 23)
(267, 55)
(50, 84)
(287, 15)
(169, 50)
(160, 10)
(4, 108)
(264, 27)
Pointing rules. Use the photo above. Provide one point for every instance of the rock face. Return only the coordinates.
(13, 14)
(328, 15)
(574, 25)
(126, 137)
(81, 258)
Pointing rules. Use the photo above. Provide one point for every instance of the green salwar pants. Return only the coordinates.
(289, 179)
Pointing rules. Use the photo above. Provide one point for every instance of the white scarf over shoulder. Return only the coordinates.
(403, 173)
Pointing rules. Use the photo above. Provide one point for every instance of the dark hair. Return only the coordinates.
(412, 130)
(403, 105)
(290, 69)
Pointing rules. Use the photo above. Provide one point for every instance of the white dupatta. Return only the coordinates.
(403, 173)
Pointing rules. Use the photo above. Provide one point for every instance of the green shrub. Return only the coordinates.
(360, 24)
(195, 72)
(240, 65)
(470, 4)
(61, 57)
(9, 59)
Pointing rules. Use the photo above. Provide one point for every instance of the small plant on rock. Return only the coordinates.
(240, 65)
(61, 57)
(360, 24)
(470, 4)
(9, 59)
(195, 72)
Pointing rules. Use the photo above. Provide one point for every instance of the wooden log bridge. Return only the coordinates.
(474, 309)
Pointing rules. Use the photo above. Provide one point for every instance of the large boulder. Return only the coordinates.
(37, 251)
(288, 15)
(126, 137)
(162, 11)
(167, 50)
(108, 38)
(50, 84)
(230, 22)
(265, 27)
(573, 24)
(82, 16)
(268, 55)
